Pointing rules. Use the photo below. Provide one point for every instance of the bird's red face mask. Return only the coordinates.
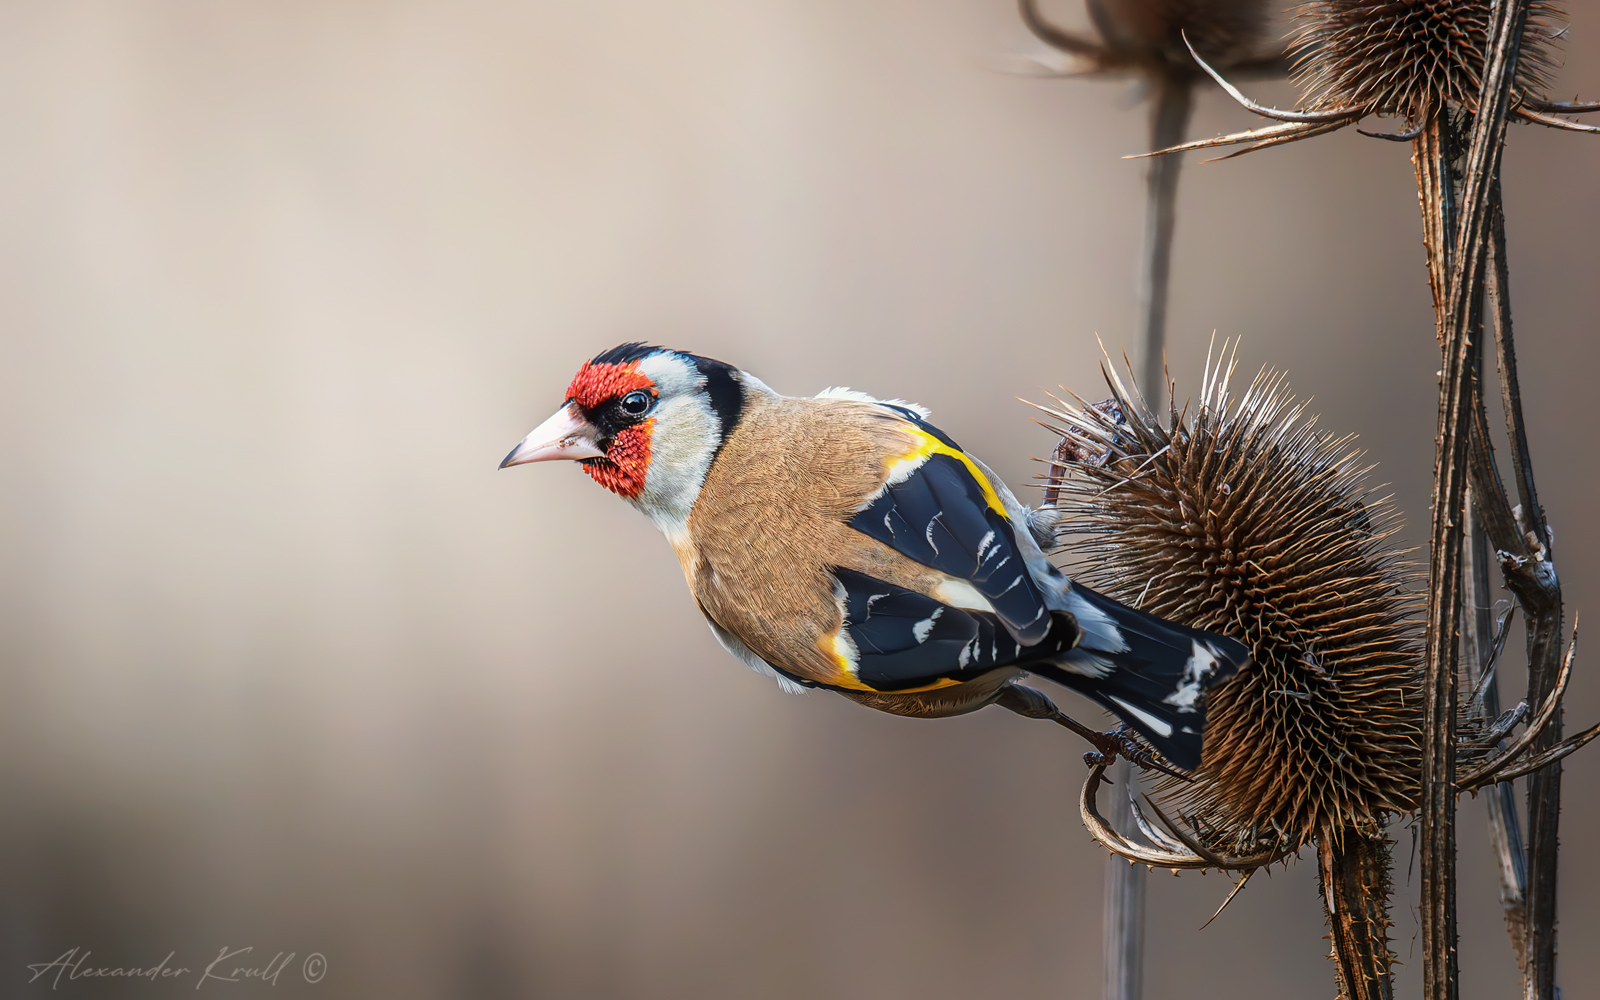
(605, 425)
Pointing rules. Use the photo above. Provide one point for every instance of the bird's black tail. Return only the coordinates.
(1151, 673)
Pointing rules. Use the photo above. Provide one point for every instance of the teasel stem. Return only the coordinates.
(1170, 109)
(1354, 871)
(1539, 590)
(1169, 121)
(1463, 229)
(1433, 156)
(1478, 655)
(1123, 960)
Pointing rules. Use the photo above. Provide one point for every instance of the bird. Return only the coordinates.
(844, 542)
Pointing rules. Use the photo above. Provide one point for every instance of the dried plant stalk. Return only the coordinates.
(1354, 874)
(1538, 588)
(1459, 325)
(1169, 121)
(1454, 70)
(1479, 653)
(1123, 918)
(1438, 805)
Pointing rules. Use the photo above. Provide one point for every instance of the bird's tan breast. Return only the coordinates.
(771, 523)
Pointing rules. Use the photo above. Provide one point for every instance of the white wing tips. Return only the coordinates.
(841, 392)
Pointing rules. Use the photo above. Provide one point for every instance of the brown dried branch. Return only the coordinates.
(1481, 652)
(1530, 573)
(1438, 800)
(1354, 871)
(1459, 324)
(1169, 121)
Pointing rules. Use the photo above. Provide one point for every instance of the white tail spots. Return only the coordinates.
(1202, 662)
(1160, 727)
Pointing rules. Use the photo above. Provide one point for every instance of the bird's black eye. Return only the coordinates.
(636, 404)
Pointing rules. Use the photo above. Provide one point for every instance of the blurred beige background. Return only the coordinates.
(288, 664)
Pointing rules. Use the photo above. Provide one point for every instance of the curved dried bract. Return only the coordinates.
(1057, 37)
(1564, 107)
(1551, 121)
(1323, 117)
(1241, 517)
(1270, 135)
(1495, 768)
(1186, 852)
(1406, 136)
(1311, 132)
(1112, 840)
(1538, 761)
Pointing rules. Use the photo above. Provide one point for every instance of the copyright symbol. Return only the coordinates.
(315, 968)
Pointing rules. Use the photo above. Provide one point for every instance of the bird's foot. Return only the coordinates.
(1125, 742)
(1121, 741)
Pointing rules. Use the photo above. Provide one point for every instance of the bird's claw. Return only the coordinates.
(1123, 742)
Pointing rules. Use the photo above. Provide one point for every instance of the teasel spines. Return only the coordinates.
(1404, 58)
(1241, 517)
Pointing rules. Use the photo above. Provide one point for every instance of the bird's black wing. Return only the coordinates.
(905, 640)
(938, 508)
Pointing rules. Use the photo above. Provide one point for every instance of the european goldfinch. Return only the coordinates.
(843, 542)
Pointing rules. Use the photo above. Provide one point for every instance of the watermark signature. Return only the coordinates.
(232, 965)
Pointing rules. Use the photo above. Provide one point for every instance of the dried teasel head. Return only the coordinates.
(1240, 517)
(1403, 57)
(1416, 59)
(1149, 36)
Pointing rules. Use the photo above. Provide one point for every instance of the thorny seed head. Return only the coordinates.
(1403, 57)
(1242, 518)
(1225, 32)
(1148, 35)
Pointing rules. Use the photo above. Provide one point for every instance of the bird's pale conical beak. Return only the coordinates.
(565, 435)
